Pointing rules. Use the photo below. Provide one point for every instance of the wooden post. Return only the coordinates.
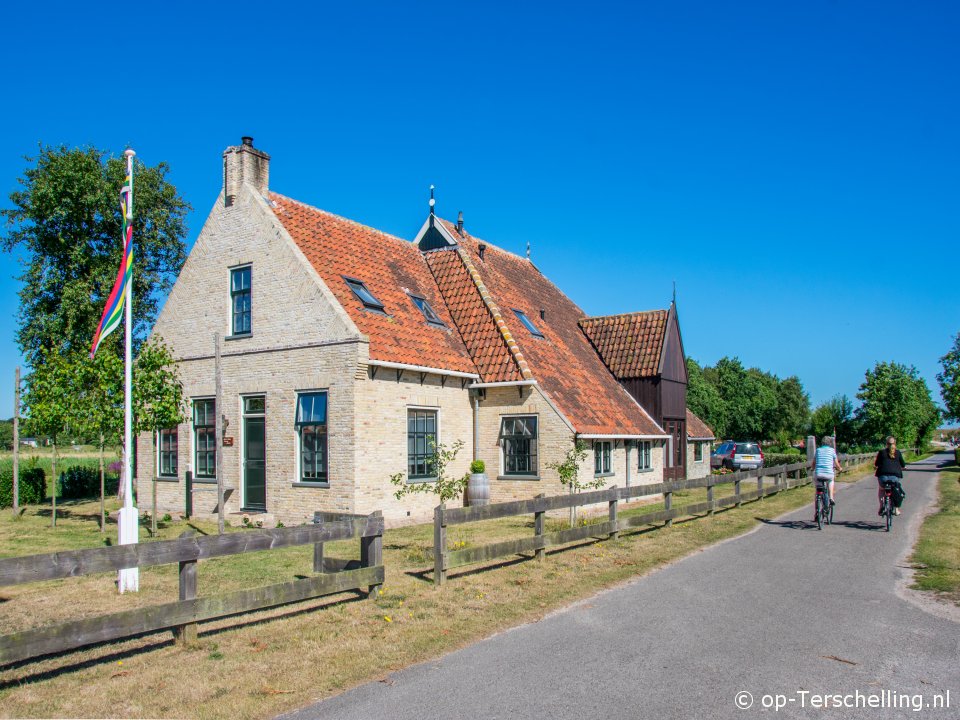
(16, 439)
(371, 553)
(759, 486)
(218, 440)
(811, 455)
(613, 513)
(318, 557)
(668, 505)
(538, 530)
(736, 491)
(710, 494)
(439, 545)
(187, 634)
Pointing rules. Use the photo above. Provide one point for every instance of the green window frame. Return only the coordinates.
(241, 296)
(698, 452)
(205, 438)
(167, 452)
(421, 444)
(643, 455)
(602, 457)
(311, 425)
(518, 436)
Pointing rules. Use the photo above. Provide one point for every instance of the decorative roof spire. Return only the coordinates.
(432, 201)
(674, 301)
(528, 249)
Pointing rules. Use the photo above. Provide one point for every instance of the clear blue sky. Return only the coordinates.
(794, 167)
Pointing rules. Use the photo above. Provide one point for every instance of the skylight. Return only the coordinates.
(363, 294)
(527, 324)
(427, 311)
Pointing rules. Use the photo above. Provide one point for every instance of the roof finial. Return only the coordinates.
(674, 301)
(432, 201)
(528, 249)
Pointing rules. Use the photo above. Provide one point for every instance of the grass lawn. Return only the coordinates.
(261, 664)
(937, 554)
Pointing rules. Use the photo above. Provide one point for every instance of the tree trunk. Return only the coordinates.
(53, 494)
(103, 515)
(153, 516)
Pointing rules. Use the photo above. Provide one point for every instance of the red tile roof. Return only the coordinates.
(563, 363)
(389, 266)
(697, 428)
(631, 344)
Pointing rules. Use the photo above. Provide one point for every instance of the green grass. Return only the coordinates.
(937, 554)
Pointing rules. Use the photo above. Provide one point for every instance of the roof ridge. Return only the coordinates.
(347, 220)
(496, 313)
(490, 245)
(633, 313)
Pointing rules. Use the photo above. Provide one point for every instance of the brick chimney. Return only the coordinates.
(243, 163)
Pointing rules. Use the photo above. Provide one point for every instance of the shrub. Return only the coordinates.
(81, 481)
(477, 467)
(33, 486)
(774, 459)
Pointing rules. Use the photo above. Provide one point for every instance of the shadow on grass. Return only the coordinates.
(160, 642)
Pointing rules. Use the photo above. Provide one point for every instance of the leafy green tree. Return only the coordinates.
(65, 221)
(6, 435)
(50, 401)
(835, 415)
(568, 470)
(949, 380)
(444, 487)
(793, 408)
(704, 399)
(896, 401)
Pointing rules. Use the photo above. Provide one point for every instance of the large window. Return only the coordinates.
(602, 464)
(421, 443)
(205, 438)
(643, 455)
(240, 299)
(167, 453)
(311, 423)
(519, 438)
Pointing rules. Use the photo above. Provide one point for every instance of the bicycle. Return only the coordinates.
(886, 504)
(822, 508)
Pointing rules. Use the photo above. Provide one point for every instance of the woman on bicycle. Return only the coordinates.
(826, 463)
(889, 465)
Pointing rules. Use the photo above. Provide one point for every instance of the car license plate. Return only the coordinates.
(748, 457)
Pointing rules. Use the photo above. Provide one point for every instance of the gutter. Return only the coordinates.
(423, 369)
(505, 383)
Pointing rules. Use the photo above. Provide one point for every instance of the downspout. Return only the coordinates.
(627, 444)
(476, 425)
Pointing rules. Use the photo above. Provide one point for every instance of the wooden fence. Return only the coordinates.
(182, 616)
(443, 517)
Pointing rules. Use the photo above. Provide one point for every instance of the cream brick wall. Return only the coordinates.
(698, 468)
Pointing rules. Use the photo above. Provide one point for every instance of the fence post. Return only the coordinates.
(668, 505)
(613, 513)
(736, 490)
(187, 634)
(759, 485)
(318, 547)
(710, 493)
(539, 519)
(811, 456)
(439, 544)
(371, 552)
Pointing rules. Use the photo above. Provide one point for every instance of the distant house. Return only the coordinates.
(348, 352)
(29, 442)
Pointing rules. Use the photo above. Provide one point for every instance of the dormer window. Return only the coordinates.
(527, 324)
(428, 312)
(364, 295)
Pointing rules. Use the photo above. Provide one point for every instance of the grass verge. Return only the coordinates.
(258, 665)
(937, 553)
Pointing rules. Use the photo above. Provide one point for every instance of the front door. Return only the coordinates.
(675, 453)
(254, 454)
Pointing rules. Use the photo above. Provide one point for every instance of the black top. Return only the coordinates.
(887, 465)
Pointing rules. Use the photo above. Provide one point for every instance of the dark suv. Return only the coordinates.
(737, 455)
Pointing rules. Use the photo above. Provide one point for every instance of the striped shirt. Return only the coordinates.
(825, 459)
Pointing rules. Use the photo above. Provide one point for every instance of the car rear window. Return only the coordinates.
(748, 448)
(722, 449)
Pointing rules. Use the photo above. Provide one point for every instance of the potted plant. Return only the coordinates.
(478, 486)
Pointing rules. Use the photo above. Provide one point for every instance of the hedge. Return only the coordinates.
(774, 459)
(81, 481)
(33, 486)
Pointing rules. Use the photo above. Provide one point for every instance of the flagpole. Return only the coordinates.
(129, 578)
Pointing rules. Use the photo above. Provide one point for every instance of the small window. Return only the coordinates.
(698, 452)
(527, 324)
(427, 311)
(363, 294)
(311, 424)
(240, 297)
(519, 438)
(602, 464)
(205, 438)
(421, 444)
(167, 453)
(643, 455)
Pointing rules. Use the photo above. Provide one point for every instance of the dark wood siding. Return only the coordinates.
(673, 363)
(673, 399)
(646, 391)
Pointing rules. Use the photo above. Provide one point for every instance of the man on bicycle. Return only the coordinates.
(826, 464)
(889, 465)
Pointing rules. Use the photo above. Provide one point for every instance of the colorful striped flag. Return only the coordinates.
(113, 312)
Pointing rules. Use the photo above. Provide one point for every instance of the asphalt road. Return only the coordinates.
(784, 610)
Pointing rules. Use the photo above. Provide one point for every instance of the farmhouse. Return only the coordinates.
(346, 352)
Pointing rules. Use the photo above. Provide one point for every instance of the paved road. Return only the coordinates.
(763, 613)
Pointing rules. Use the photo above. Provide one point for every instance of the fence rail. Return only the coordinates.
(183, 615)
(445, 559)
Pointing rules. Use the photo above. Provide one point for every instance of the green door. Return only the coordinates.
(254, 455)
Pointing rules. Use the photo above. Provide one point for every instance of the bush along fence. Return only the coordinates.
(182, 616)
(782, 477)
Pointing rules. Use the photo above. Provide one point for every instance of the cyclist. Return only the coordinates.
(889, 465)
(826, 464)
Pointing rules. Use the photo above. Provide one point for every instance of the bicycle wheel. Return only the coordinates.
(819, 512)
(889, 514)
(829, 514)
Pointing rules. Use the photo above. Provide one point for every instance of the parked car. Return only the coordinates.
(737, 455)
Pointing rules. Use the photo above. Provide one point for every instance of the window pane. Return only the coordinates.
(312, 408)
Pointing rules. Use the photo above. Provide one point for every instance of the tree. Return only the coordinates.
(65, 220)
(835, 415)
(793, 407)
(949, 380)
(704, 400)
(6, 435)
(896, 401)
(445, 488)
(50, 396)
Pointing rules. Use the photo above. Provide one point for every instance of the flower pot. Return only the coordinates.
(478, 489)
